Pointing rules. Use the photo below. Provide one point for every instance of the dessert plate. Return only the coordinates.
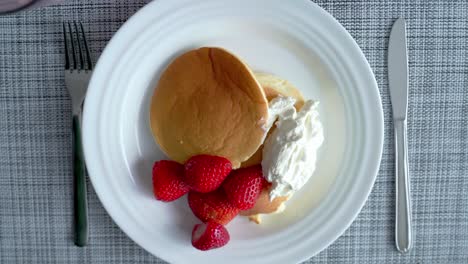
(296, 40)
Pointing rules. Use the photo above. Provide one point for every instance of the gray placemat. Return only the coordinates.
(35, 136)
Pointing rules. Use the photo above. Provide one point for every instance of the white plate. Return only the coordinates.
(293, 39)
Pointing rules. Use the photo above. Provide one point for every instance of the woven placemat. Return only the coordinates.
(35, 136)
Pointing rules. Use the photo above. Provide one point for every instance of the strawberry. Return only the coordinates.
(168, 184)
(205, 173)
(212, 206)
(209, 236)
(243, 186)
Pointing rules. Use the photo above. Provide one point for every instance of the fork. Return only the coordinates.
(78, 70)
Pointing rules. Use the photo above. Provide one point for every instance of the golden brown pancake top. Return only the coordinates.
(208, 101)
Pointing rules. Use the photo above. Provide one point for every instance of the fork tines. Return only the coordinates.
(77, 55)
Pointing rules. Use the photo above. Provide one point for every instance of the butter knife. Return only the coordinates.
(398, 82)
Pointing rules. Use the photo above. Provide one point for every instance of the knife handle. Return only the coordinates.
(79, 186)
(403, 233)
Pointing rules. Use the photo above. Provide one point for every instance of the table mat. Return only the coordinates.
(35, 136)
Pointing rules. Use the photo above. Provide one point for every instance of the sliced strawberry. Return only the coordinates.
(212, 206)
(209, 236)
(168, 184)
(205, 173)
(243, 186)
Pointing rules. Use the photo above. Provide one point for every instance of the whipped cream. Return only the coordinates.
(290, 152)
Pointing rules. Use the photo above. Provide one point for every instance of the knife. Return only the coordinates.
(398, 82)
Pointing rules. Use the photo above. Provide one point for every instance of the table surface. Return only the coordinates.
(35, 136)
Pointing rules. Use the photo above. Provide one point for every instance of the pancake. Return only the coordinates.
(263, 205)
(209, 102)
(273, 87)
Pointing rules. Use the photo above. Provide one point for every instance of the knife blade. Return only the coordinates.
(398, 69)
(398, 82)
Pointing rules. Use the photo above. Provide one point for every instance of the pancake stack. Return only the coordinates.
(208, 101)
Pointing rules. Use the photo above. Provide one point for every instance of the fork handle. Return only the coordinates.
(79, 178)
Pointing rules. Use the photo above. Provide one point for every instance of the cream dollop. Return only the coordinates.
(290, 152)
